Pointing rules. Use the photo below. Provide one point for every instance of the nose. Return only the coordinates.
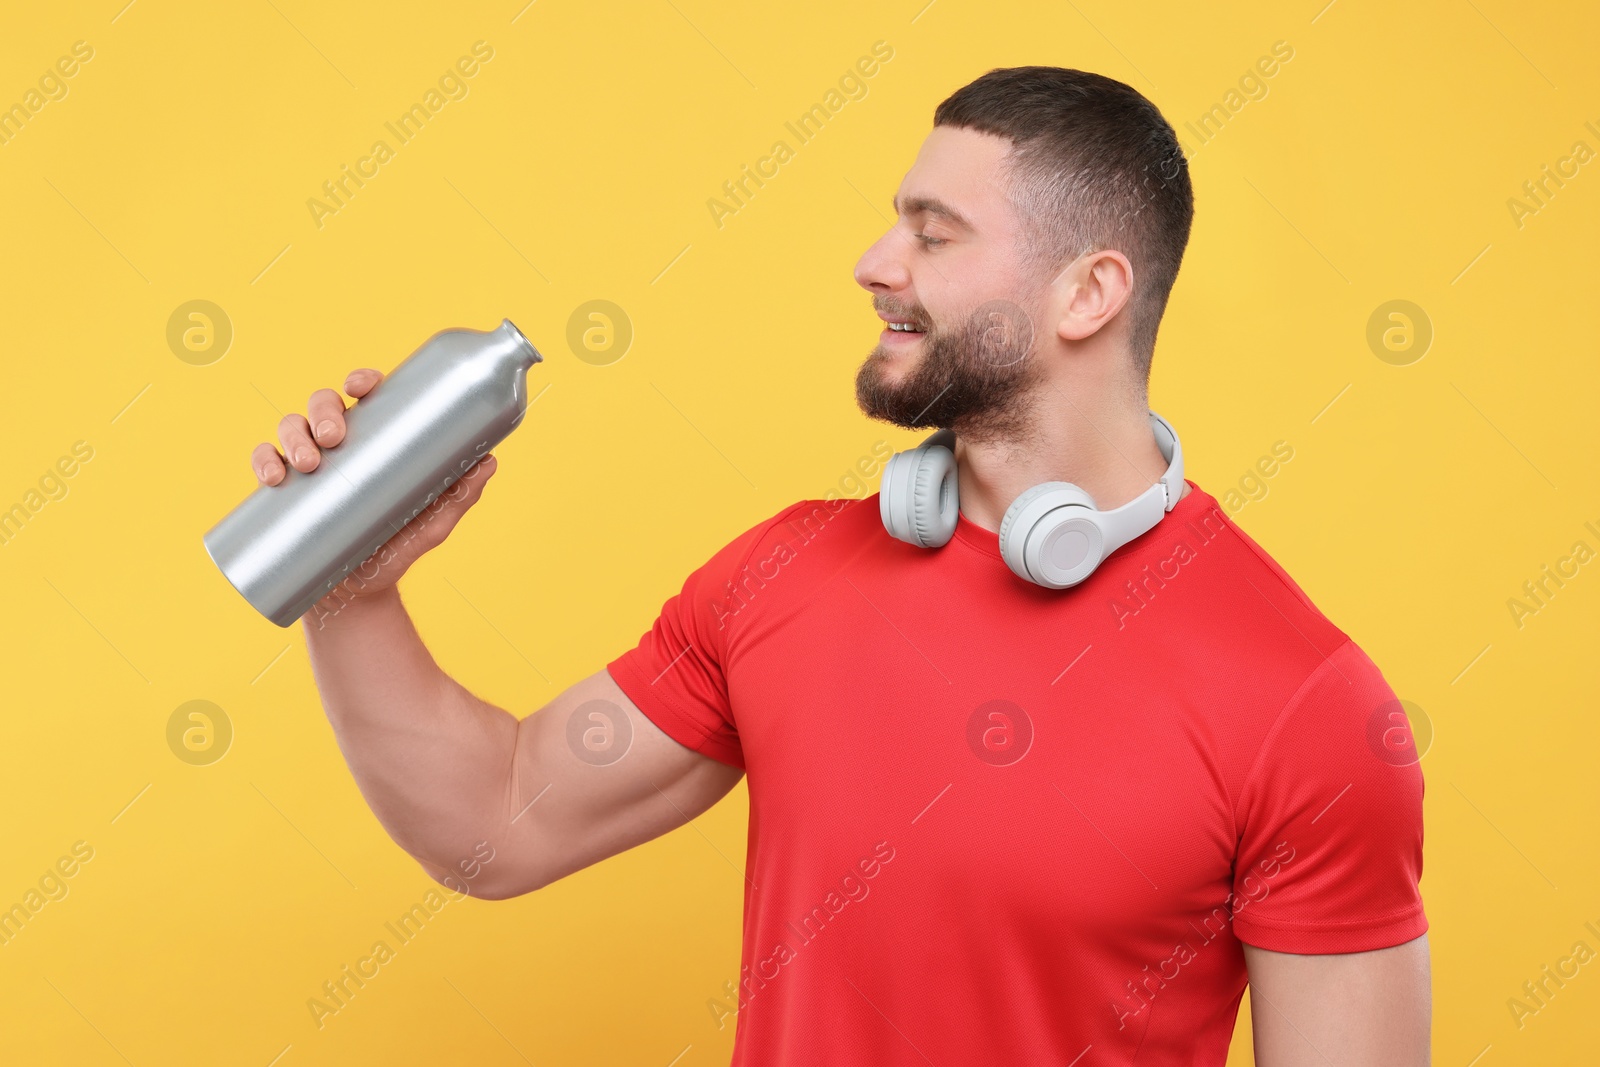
(882, 268)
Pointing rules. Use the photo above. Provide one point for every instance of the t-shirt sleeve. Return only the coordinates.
(676, 674)
(1330, 820)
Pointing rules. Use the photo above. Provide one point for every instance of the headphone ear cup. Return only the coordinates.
(917, 500)
(893, 500)
(934, 499)
(1051, 535)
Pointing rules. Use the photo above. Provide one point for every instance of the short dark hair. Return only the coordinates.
(1093, 165)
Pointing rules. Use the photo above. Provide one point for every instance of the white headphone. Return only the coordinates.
(1052, 535)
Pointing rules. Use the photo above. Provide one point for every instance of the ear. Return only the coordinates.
(1090, 292)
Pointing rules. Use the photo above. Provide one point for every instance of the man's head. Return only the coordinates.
(1047, 211)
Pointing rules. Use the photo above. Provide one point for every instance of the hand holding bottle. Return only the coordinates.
(358, 494)
(323, 426)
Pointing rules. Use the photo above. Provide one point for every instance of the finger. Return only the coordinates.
(440, 517)
(359, 383)
(325, 412)
(295, 433)
(468, 488)
(470, 485)
(267, 464)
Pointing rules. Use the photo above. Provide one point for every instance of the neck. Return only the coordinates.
(1102, 446)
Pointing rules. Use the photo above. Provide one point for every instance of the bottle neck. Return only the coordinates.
(527, 355)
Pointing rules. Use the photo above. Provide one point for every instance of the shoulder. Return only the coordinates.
(1245, 610)
(1250, 644)
(781, 559)
(834, 524)
(802, 522)
(1323, 706)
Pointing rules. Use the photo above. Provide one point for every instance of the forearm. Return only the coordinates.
(432, 761)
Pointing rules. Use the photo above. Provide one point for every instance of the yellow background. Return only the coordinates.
(1377, 167)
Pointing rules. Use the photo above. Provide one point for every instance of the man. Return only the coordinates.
(991, 822)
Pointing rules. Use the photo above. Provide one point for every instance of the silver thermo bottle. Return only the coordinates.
(407, 441)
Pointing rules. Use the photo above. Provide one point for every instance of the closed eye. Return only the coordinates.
(931, 242)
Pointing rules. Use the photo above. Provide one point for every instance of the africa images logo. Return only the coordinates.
(1139, 995)
(852, 887)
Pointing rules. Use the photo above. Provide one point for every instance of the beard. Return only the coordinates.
(975, 378)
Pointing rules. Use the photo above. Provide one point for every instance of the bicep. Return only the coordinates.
(1363, 1009)
(593, 776)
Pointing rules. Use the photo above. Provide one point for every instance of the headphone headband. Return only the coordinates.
(1171, 451)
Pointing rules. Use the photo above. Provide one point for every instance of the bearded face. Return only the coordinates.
(973, 375)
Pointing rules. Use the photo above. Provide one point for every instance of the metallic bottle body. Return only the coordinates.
(451, 401)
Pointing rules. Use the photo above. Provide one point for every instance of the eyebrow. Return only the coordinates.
(929, 205)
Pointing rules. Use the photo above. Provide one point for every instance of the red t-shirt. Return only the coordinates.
(996, 823)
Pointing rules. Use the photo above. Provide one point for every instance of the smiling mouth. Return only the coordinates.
(901, 330)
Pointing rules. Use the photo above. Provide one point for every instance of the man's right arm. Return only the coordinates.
(445, 771)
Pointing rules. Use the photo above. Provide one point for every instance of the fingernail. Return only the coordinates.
(302, 456)
(325, 428)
